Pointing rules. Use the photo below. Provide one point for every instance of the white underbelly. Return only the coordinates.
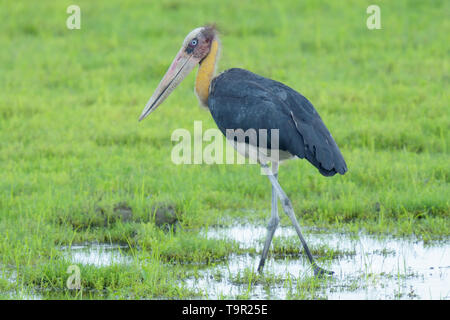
(260, 154)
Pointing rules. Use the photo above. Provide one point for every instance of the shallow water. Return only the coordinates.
(97, 254)
(380, 268)
(370, 268)
(100, 254)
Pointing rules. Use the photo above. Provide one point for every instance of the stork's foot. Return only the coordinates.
(321, 273)
(261, 266)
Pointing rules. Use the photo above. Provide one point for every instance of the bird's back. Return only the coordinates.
(240, 99)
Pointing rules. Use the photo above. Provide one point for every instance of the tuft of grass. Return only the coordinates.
(291, 247)
(250, 277)
(185, 247)
(146, 278)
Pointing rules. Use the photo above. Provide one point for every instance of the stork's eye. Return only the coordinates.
(193, 42)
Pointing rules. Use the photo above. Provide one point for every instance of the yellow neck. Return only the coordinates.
(206, 73)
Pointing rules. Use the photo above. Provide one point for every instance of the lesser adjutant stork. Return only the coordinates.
(240, 99)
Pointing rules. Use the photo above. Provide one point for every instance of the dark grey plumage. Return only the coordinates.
(240, 99)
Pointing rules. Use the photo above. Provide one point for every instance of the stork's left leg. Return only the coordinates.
(273, 222)
(287, 207)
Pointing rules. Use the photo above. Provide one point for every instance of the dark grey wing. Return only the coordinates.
(318, 141)
(240, 99)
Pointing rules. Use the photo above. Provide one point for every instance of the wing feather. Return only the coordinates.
(240, 99)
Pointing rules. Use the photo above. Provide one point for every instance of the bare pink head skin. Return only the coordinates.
(195, 48)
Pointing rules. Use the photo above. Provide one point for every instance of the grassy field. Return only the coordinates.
(73, 157)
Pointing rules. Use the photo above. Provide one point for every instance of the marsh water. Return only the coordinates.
(97, 254)
(366, 267)
(369, 268)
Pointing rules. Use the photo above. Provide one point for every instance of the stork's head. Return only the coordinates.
(196, 47)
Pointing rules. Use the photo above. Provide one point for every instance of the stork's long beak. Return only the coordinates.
(178, 70)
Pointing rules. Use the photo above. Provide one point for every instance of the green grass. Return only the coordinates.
(70, 142)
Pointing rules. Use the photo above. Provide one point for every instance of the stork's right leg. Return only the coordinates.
(273, 222)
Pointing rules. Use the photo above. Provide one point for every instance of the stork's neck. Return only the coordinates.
(206, 73)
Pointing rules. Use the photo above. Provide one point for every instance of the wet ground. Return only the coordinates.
(97, 254)
(365, 267)
(368, 268)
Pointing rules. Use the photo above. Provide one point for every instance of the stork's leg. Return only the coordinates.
(287, 207)
(273, 222)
